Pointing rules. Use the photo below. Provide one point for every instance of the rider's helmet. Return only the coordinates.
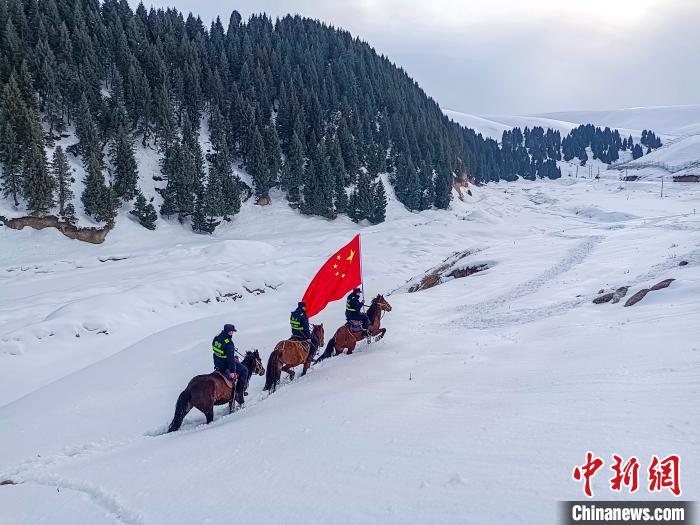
(229, 328)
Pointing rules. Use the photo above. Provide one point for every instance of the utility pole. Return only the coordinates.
(662, 186)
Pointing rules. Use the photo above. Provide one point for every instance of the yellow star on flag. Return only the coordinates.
(336, 274)
(343, 276)
(335, 266)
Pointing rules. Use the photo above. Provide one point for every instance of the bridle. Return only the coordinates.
(383, 308)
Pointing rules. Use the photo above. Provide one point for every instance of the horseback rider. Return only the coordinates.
(353, 310)
(300, 328)
(227, 363)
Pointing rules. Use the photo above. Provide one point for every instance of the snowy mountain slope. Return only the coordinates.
(494, 125)
(485, 393)
(670, 120)
(677, 156)
(486, 127)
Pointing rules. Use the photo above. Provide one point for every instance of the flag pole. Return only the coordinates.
(362, 279)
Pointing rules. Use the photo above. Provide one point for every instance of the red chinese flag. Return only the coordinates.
(338, 276)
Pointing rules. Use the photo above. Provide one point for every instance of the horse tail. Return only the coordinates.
(272, 371)
(328, 352)
(181, 409)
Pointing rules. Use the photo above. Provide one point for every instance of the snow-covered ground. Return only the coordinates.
(484, 395)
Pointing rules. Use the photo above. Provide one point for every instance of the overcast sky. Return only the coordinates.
(516, 56)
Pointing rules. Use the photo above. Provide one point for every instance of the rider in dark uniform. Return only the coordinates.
(353, 309)
(300, 328)
(226, 361)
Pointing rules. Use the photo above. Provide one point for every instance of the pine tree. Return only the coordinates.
(39, 184)
(258, 166)
(273, 153)
(443, 189)
(99, 200)
(125, 168)
(86, 130)
(68, 214)
(379, 203)
(60, 169)
(205, 212)
(144, 211)
(11, 174)
(293, 172)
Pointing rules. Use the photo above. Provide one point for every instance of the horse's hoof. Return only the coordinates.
(245, 393)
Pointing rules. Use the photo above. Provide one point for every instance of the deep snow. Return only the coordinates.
(485, 393)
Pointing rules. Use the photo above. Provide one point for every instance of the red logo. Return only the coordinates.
(663, 473)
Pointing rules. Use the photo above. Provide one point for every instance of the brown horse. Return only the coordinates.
(288, 354)
(205, 391)
(345, 338)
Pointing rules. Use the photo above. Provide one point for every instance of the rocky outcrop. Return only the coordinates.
(91, 235)
(663, 284)
(605, 298)
(637, 297)
(611, 296)
(619, 293)
(454, 267)
(643, 292)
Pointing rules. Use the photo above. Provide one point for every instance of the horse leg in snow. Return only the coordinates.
(289, 371)
(351, 347)
(307, 364)
(203, 400)
(382, 333)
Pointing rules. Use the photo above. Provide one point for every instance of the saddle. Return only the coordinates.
(354, 325)
(302, 340)
(229, 383)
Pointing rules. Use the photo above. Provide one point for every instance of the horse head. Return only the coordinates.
(257, 364)
(382, 303)
(318, 332)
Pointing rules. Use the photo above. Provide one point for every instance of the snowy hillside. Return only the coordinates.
(485, 393)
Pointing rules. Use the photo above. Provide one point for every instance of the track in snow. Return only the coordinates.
(485, 314)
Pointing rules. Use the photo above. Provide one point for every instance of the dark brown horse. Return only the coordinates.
(205, 391)
(345, 338)
(288, 354)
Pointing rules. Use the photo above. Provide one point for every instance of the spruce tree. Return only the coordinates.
(39, 184)
(293, 171)
(379, 203)
(68, 214)
(443, 189)
(99, 200)
(205, 212)
(11, 174)
(124, 163)
(60, 169)
(144, 211)
(86, 130)
(273, 153)
(258, 166)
